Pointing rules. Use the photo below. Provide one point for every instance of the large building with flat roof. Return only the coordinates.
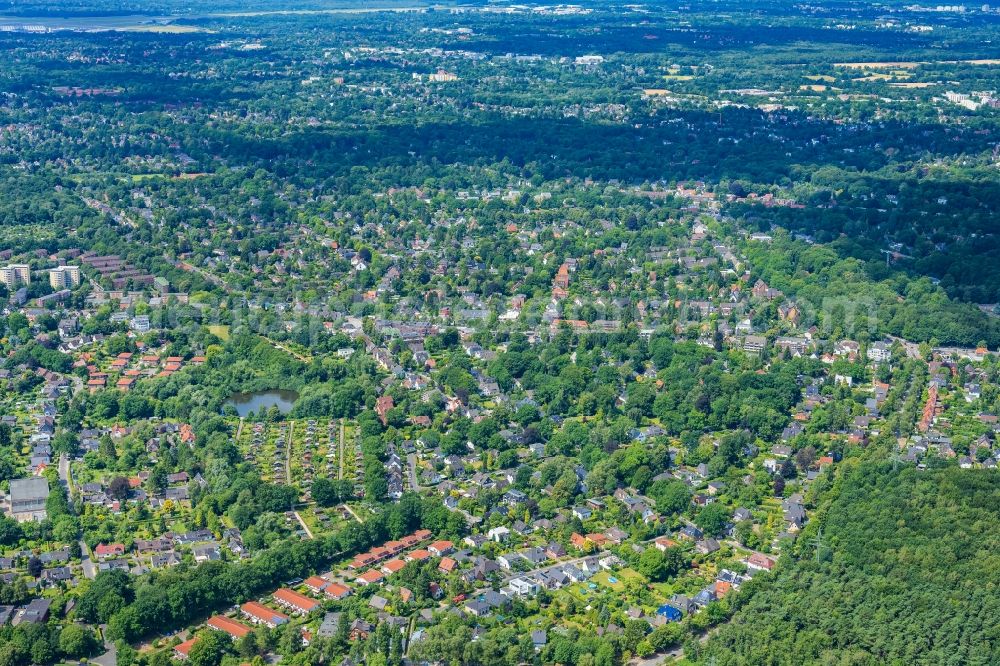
(27, 498)
(15, 275)
(64, 277)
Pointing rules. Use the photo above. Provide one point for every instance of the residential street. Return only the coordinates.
(89, 568)
(411, 469)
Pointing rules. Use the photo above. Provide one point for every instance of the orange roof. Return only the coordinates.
(371, 576)
(422, 534)
(441, 546)
(316, 583)
(295, 600)
(337, 591)
(392, 566)
(185, 647)
(447, 564)
(761, 561)
(722, 588)
(231, 627)
(262, 613)
(418, 555)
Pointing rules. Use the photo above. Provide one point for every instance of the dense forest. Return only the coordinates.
(900, 569)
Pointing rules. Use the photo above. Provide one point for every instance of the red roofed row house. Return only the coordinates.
(261, 614)
(219, 623)
(387, 550)
(232, 627)
(370, 577)
(320, 585)
(182, 650)
(297, 603)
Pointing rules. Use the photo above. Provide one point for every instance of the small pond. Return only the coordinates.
(245, 403)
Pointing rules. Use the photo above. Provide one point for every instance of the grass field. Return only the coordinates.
(221, 332)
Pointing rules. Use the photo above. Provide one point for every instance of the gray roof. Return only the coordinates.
(24, 490)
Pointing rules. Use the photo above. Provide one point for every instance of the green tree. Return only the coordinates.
(210, 648)
(76, 641)
(712, 519)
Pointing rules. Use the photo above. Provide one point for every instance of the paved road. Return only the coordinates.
(411, 468)
(89, 569)
(109, 658)
(64, 473)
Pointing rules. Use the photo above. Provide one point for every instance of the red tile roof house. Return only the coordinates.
(181, 650)
(337, 591)
(392, 566)
(362, 561)
(370, 577)
(299, 603)
(382, 407)
(760, 562)
(316, 584)
(394, 547)
(261, 614)
(104, 551)
(232, 627)
(439, 548)
(418, 555)
(447, 565)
